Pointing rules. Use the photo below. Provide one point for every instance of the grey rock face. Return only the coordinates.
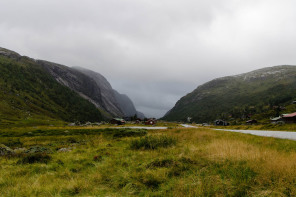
(9, 53)
(86, 86)
(127, 105)
(119, 104)
(107, 94)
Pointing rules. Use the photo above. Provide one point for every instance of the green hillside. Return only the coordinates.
(258, 95)
(29, 95)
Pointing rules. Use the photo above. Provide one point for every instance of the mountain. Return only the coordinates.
(258, 94)
(94, 89)
(109, 101)
(115, 102)
(90, 87)
(127, 105)
(28, 94)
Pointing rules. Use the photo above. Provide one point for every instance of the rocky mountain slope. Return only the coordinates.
(258, 94)
(87, 84)
(109, 101)
(29, 94)
(127, 105)
(115, 102)
(87, 87)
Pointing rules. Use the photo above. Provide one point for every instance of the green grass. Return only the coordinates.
(30, 95)
(174, 162)
(233, 98)
(153, 142)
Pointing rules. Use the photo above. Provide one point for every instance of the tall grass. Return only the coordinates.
(183, 162)
(153, 142)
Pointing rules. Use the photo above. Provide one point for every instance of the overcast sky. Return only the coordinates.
(155, 51)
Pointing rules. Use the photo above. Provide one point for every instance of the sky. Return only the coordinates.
(154, 51)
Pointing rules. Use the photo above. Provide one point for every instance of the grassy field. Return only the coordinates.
(76, 161)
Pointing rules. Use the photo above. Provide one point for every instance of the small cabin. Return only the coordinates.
(152, 121)
(277, 120)
(251, 122)
(289, 118)
(221, 123)
(118, 121)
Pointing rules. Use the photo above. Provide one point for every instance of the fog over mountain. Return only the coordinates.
(153, 51)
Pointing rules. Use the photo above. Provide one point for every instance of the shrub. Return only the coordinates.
(13, 143)
(161, 163)
(38, 149)
(35, 158)
(153, 142)
(120, 133)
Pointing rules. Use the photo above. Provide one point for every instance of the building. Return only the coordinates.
(251, 122)
(118, 121)
(152, 121)
(289, 118)
(221, 123)
(277, 120)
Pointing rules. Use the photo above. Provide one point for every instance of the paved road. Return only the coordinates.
(149, 128)
(276, 134)
(188, 126)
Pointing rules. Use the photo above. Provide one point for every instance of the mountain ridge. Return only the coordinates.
(73, 82)
(267, 86)
(29, 94)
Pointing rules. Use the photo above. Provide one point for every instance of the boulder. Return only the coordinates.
(4, 150)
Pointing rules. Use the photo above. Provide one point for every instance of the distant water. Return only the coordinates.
(276, 134)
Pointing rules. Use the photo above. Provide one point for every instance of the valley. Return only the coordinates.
(66, 132)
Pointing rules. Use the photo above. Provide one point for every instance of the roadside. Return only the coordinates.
(276, 134)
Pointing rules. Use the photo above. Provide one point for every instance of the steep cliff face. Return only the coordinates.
(108, 97)
(119, 104)
(75, 80)
(236, 96)
(127, 105)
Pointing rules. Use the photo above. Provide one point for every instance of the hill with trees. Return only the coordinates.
(259, 94)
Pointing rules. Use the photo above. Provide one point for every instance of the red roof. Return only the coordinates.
(290, 115)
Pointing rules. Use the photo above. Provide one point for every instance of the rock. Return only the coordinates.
(38, 149)
(4, 150)
(64, 150)
(20, 150)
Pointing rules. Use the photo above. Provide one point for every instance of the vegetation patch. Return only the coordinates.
(108, 132)
(161, 163)
(199, 162)
(153, 142)
(35, 158)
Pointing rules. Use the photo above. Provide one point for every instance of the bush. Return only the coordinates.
(35, 158)
(120, 133)
(153, 142)
(163, 163)
(38, 149)
(13, 143)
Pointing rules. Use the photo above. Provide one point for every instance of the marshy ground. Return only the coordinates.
(124, 162)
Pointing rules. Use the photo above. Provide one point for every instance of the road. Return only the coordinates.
(276, 134)
(149, 128)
